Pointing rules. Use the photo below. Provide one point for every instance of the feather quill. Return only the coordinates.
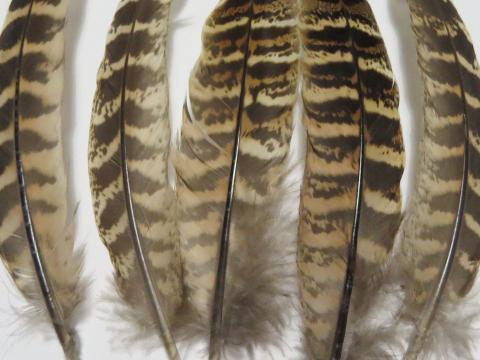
(441, 233)
(36, 243)
(129, 146)
(351, 203)
(236, 244)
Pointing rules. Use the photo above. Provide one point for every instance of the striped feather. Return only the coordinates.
(351, 202)
(442, 232)
(235, 242)
(36, 241)
(129, 146)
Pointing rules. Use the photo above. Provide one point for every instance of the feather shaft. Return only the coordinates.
(342, 321)
(217, 320)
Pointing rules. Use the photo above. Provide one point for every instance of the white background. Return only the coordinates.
(87, 27)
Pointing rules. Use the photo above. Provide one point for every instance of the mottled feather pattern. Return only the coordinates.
(247, 72)
(31, 149)
(348, 92)
(133, 89)
(444, 217)
(242, 244)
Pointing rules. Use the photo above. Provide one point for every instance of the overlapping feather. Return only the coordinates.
(236, 243)
(441, 234)
(36, 239)
(351, 203)
(129, 146)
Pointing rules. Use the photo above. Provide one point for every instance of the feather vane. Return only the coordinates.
(351, 202)
(129, 148)
(36, 243)
(234, 148)
(441, 232)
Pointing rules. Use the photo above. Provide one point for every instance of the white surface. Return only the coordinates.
(87, 29)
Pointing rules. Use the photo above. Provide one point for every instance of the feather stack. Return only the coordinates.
(36, 241)
(442, 229)
(129, 145)
(351, 203)
(236, 244)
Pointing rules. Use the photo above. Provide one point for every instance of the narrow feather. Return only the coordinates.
(35, 241)
(351, 205)
(129, 146)
(234, 145)
(441, 232)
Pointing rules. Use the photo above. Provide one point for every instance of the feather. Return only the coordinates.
(129, 146)
(441, 232)
(36, 243)
(350, 203)
(236, 242)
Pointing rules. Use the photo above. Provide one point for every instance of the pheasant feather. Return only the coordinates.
(129, 145)
(350, 210)
(236, 245)
(36, 243)
(441, 232)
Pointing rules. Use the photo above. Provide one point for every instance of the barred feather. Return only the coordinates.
(235, 243)
(442, 230)
(351, 202)
(129, 145)
(36, 243)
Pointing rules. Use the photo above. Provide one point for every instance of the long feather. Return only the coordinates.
(442, 230)
(351, 202)
(236, 244)
(36, 243)
(129, 146)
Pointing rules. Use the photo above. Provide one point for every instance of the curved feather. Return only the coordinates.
(35, 240)
(441, 234)
(234, 147)
(129, 147)
(351, 202)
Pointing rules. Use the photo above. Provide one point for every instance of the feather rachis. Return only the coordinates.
(129, 146)
(33, 44)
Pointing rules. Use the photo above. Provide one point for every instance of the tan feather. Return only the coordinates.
(36, 243)
(236, 243)
(129, 145)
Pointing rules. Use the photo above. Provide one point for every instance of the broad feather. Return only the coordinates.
(36, 240)
(236, 243)
(129, 145)
(441, 244)
(351, 203)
